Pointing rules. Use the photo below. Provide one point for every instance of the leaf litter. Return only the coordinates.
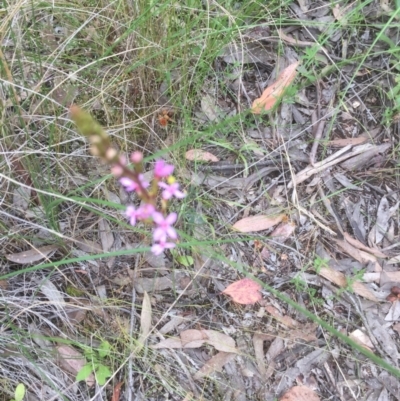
(353, 221)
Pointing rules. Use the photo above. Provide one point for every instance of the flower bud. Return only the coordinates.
(136, 157)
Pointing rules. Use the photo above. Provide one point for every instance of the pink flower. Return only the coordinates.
(131, 185)
(145, 211)
(171, 190)
(133, 214)
(159, 248)
(162, 169)
(164, 227)
(142, 213)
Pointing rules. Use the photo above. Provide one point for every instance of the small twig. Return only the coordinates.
(227, 166)
(330, 208)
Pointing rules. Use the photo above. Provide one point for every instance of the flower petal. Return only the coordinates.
(158, 217)
(171, 218)
(159, 235)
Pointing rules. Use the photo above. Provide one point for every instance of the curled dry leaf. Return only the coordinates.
(300, 393)
(257, 223)
(273, 93)
(245, 291)
(32, 256)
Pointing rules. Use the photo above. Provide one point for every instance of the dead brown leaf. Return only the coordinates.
(193, 338)
(305, 332)
(357, 254)
(274, 92)
(199, 155)
(145, 320)
(362, 339)
(215, 364)
(284, 319)
(220, 341)
(33, 255)
(356, 243)
(172, 342)
(106, 236)
(257, 223)
(300, 393)
(339, 279)
(283, 231)
(258, 343)
(88, 246)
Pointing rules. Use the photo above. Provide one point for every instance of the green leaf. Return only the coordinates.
(102, 372)
(104, 349)
(85, 372)
(19, 392)
(185, 260)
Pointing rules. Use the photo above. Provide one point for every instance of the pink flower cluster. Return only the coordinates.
(164, 232)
